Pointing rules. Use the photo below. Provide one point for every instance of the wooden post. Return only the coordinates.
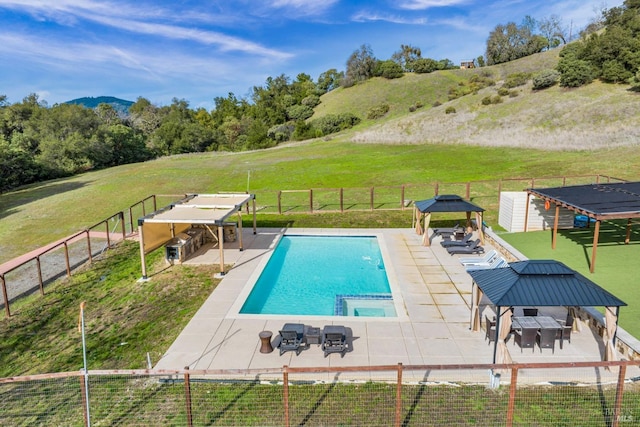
(399, 397)
(341, 199)
(512, 396)
(285, 390)
(311, 200)
(628, 235)
(437, 187)
(402, 198)
(106, 225)
(187, 395)
(89, 245)
(594, 251)
(124, 229)
(468, 194)
(619, 392)
(131, 219)
(7, 312)
(564, 181)
(40, 283)
(371, 197)
(155, 203)
(555, 227)
(66, 258)
(280, 202)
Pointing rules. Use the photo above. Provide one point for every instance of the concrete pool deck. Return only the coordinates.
(433, 327)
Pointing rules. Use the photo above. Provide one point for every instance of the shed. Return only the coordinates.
(539, 283)
(208, 210)
(444, 203)
(620, 200)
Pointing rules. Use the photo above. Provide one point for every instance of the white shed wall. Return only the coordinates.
(512, 213)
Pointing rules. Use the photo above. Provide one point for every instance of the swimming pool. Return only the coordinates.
(323, 276)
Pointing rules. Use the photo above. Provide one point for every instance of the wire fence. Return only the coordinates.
(32, 272)
(585, 394)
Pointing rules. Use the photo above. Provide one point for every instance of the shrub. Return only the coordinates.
(389, 69)
(299, 112)
(516, 79)
(503, 91)
(311, 101)
(574, 72)
(450, 110)
(614, 72)
(332, 123)
(486, 100)
(436, 104)
(513, 93)
(496, 99)
(377, 111)
(281, 133)
(545, 79)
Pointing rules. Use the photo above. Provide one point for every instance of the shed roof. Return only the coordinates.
(601, 201)
(447, 203)
(541, 283)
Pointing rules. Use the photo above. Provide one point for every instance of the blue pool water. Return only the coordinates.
(310, 275)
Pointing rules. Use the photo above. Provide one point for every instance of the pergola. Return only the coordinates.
(444, 203)
(208, 210)
(609, 201)
(539, 283)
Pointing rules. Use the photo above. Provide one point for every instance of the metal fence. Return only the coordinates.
(585, 394)
(32, 272)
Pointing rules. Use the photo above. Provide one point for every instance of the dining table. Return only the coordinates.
(536, 322)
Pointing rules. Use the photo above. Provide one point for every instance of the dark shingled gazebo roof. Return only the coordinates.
(541, 283)
(447, 203)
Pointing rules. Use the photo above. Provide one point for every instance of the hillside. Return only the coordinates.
(592, 117)
(120, 105)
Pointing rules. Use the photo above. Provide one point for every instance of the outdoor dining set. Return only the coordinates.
(531, 329)
(298, 337)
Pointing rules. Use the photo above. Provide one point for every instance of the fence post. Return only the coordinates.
(280, 202)
(40, 283)
(399, 396)
(187, 395)
(619, 392)
(124, 229)
(512, 396)
(436, 188)
(66, 258)
(341, 199)
(311, 201)
(402, 198)
(285, 383)
(83, 389)
(4, 296)
(89, 246)
(155, 203)
(106, 225)
(468, 194)
(371, 197)
(131, 219)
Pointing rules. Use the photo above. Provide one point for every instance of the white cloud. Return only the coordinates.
(304, 7)
(394, 19)
(428, 4)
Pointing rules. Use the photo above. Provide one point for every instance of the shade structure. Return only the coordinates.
(159, 227)
(620, 200)
(543, 283)
(445, 203)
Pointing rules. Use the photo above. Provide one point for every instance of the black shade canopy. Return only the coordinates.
(541, 283)
(447, 203)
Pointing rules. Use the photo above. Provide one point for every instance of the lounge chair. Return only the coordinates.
(473, 248)
(546, 339)
(526, 338)
(334, 340)
(464, 242)
(490, 326)
(565, 332)
(488, 258)
(291, 338)
(498, 263)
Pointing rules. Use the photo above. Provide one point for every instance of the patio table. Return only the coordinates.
(527, 322)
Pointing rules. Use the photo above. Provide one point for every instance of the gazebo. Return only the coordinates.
(211, 211)
(444, 203)
(599, 202)
(539, 283)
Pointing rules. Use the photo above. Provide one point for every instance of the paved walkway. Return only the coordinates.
(432, 293)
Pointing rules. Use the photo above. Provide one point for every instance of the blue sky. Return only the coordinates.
(200, 49)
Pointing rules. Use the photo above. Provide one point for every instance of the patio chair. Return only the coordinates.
(530, 311)
(498, 263)
(565, 332)
(291, 338)
(546, 339)
(334, 340)
(490, 326)
(473, 248)
(525, 337)
(447, 230)
(488, 258)
(464, 242)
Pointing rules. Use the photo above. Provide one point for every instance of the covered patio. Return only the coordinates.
(211, 211)
(539, 283)
(596, 201)
(440, 204)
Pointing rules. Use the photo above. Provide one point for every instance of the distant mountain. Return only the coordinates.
(120, 105)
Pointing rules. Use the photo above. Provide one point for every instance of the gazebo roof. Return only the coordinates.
(447, 203)
(541, 283)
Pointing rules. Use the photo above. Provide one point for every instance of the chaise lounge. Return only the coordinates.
(473, 248)
(334, 340)
(291, 338)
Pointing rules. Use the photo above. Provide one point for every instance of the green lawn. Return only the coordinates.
(616, 269)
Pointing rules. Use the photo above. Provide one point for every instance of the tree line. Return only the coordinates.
(39, 142)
